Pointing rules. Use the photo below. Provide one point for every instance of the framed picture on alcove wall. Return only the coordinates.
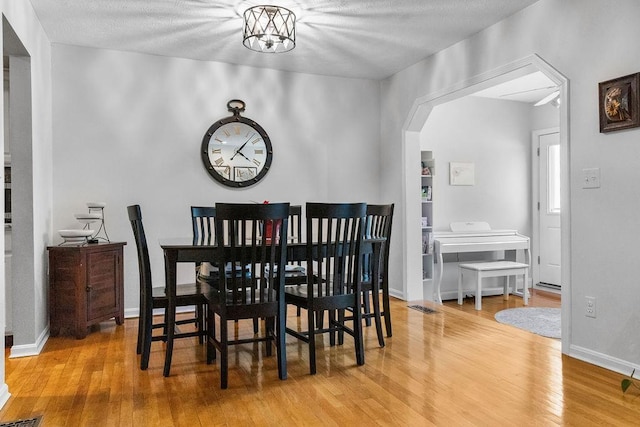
(619, 103)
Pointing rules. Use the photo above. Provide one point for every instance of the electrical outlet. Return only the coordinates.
(590, 306)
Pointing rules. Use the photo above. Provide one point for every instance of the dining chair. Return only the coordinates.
(252, 285)
(203, 227)
(377, 226)
(202, 223)
(204, 232)
(295, 271)
(334, 234)
(295, 223)
(155, 297)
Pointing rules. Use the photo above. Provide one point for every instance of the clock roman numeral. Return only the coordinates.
(219, 140)
(216, 151)
(226, 132)
(256, 140)
(256, 161)
(236, 129)
(259, 151)
(219, 161)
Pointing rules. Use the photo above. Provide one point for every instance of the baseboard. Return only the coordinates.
(35, 349)
(548, 288)
(396, 294)
(4, 394)
(602, 360)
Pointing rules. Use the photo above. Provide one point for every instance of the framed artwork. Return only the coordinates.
(461, 173)
(619, 103)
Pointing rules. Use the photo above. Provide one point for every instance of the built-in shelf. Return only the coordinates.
(426, 184)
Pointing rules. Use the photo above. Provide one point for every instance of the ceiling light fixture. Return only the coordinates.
(547, 99)
(269, 29)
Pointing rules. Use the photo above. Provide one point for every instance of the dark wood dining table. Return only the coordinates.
(186, 250)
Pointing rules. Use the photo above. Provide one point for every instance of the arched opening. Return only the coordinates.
(420, 111)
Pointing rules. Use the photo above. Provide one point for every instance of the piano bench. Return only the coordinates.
(487, 269)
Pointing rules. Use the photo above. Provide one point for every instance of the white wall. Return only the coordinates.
(604, 228)
(24, 22)
(128, 129)
(495, 136)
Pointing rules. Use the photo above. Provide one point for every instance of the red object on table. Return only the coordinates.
(268, 227)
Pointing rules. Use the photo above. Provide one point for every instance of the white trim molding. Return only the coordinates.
(34, 349)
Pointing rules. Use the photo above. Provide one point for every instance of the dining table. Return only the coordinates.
(186, 250)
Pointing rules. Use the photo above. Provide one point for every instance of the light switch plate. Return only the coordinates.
(591, 178)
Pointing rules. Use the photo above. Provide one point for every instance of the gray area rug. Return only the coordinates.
(539, 320)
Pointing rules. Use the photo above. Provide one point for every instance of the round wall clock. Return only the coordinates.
(236, 151)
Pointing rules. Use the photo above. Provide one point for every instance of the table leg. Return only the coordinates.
(375, 285)
(170, 260)
(438, 280)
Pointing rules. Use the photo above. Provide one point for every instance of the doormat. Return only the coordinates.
(426, 310)
(539, 320)
(31, 422)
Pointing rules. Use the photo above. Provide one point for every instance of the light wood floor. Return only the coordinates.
(455, 367)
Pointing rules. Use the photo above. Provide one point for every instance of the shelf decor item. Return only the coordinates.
(425, 170)
(426, 193)
(619, 103)
(74, 237)
(96, 210)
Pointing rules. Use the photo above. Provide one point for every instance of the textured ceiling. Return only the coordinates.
(350, 38)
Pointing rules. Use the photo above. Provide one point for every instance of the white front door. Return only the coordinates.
(549, 209)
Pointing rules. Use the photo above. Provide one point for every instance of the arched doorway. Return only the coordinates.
(415, 121)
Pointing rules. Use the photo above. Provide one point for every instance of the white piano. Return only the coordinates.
(475, 237)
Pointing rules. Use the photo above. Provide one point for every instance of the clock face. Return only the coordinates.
(236, 151)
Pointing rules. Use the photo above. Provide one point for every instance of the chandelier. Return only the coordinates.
(269, 29)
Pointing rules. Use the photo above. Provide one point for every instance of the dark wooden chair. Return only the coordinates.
(203, 226)
(295, 224)
(334, 234)
(296, 275)
(252, 284)
(202, 221)
(377, 225)
(204, 232)
(151, 298)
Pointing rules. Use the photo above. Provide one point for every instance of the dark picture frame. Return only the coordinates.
(619, 103)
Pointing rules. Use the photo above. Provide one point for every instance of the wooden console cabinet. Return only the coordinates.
(85, 287)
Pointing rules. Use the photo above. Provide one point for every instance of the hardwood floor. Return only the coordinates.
(492, 305)
(453, 367)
